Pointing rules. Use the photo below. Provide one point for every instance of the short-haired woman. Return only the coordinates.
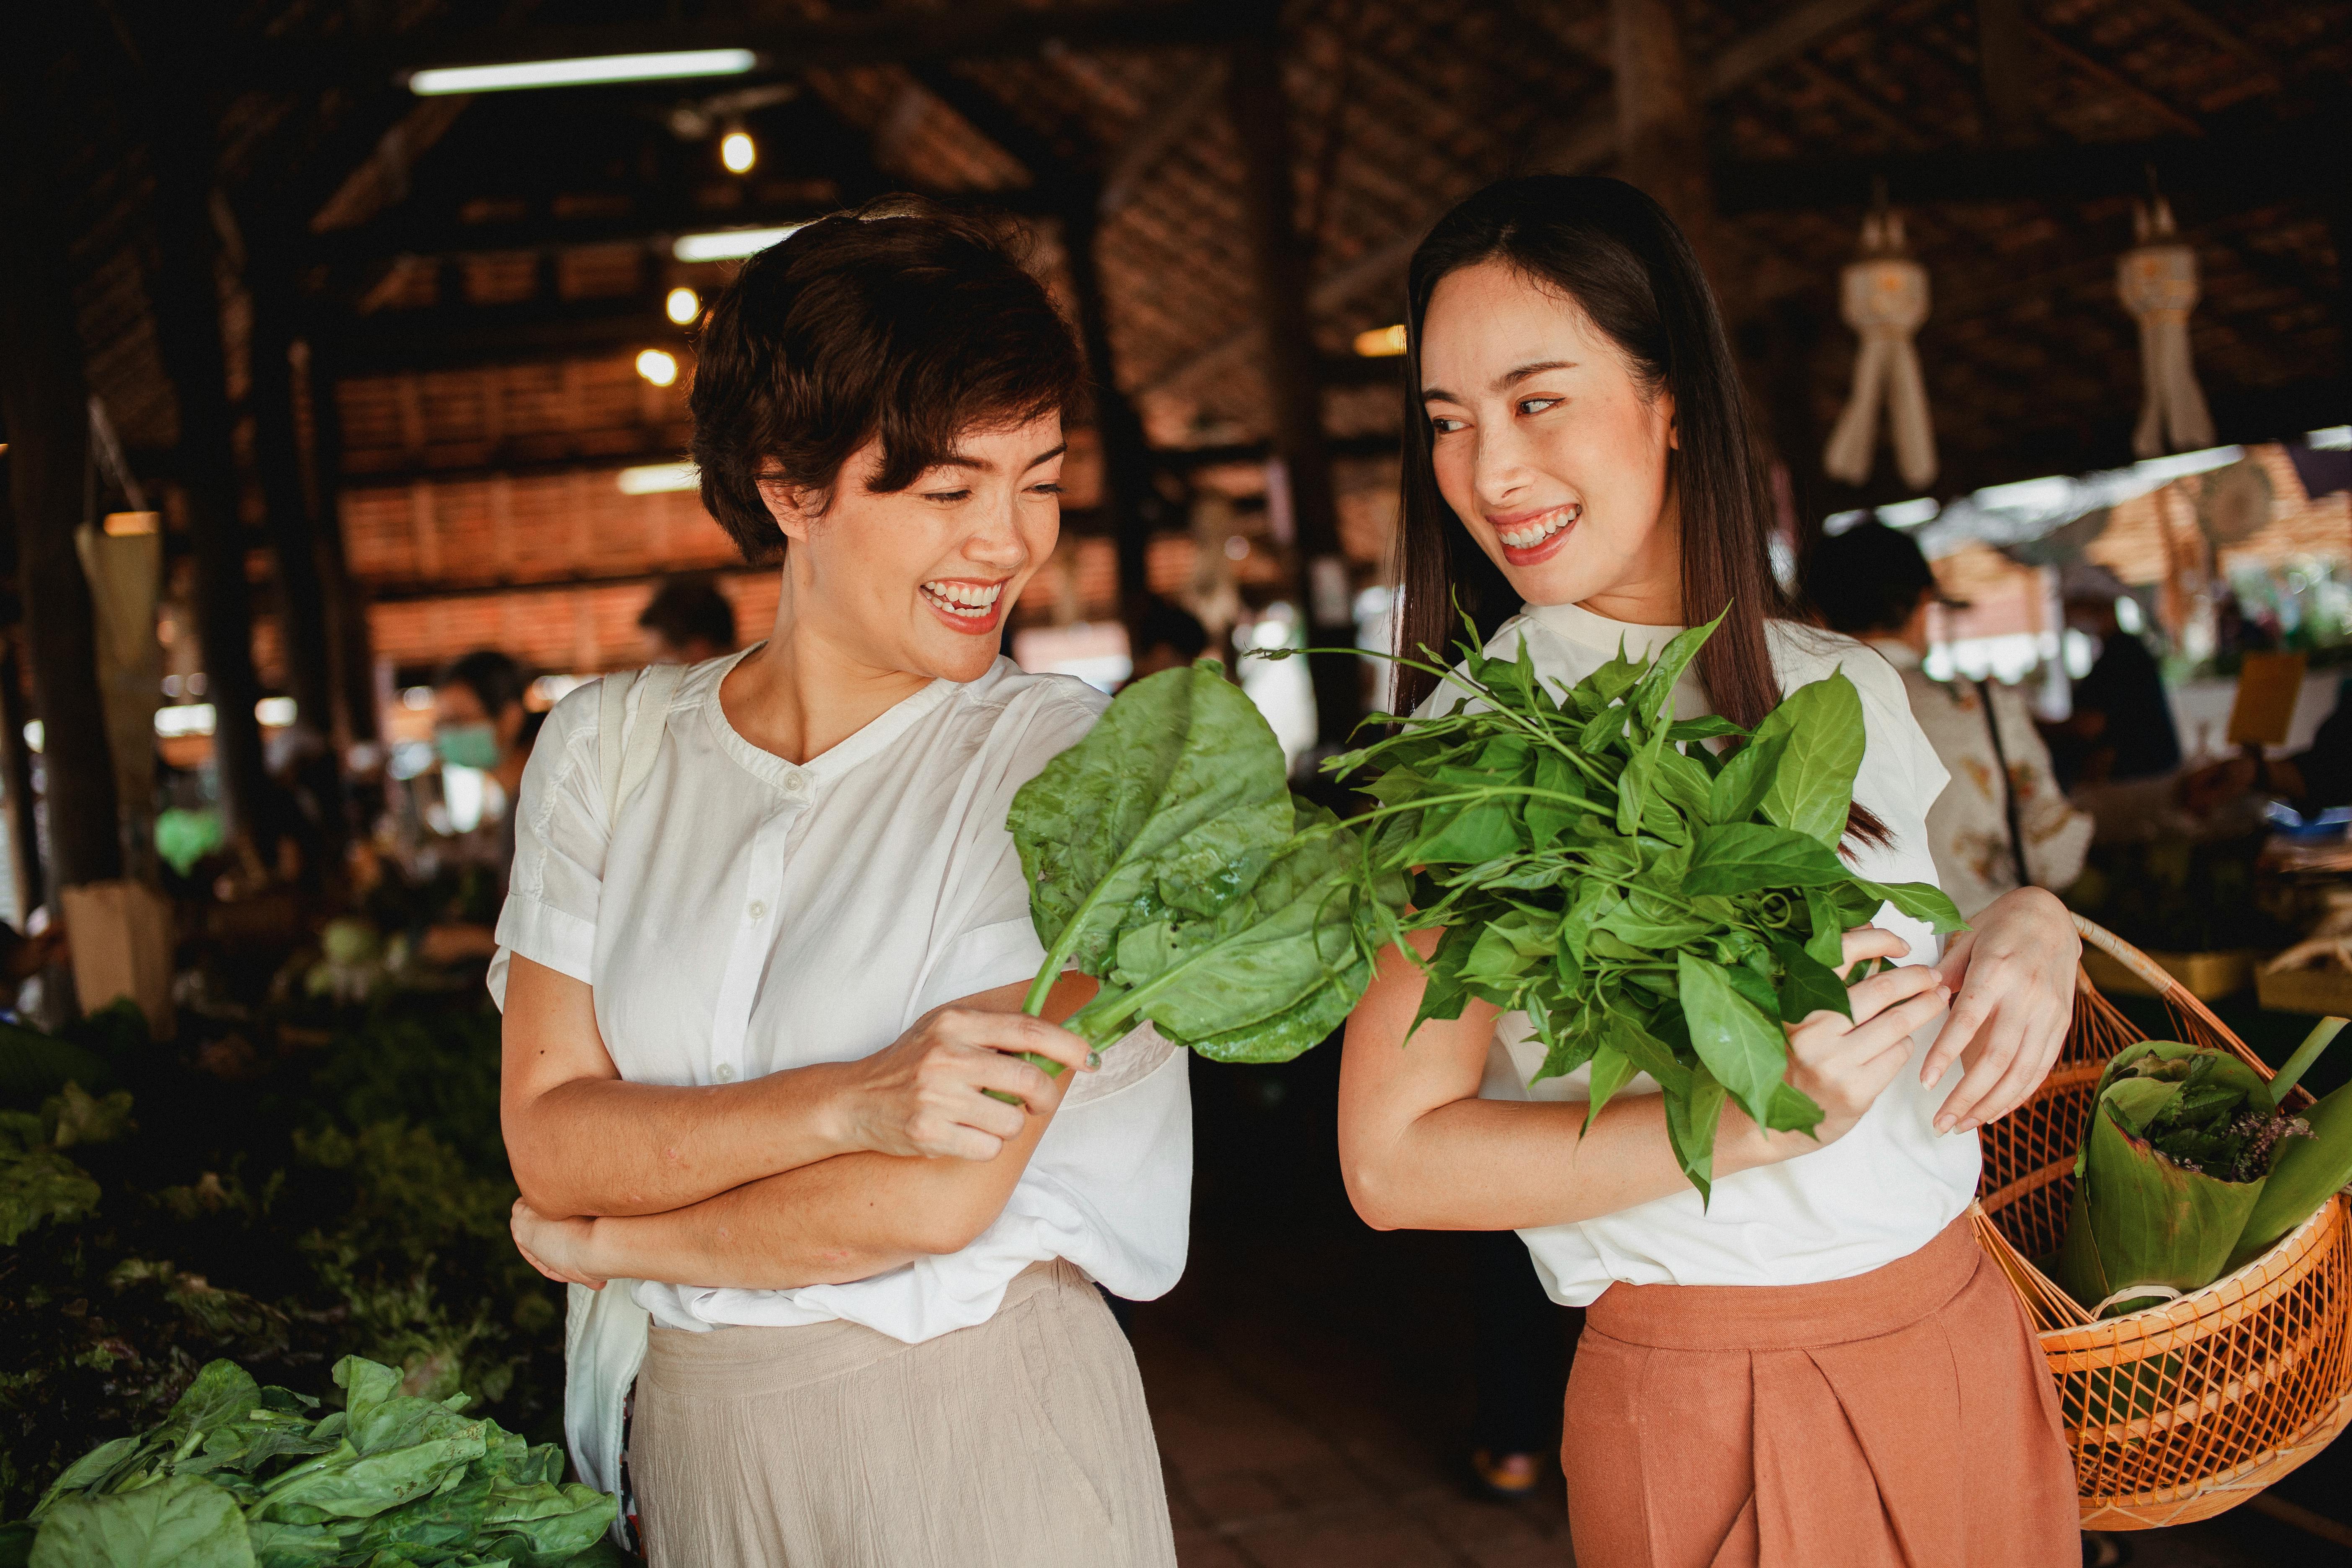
(1818, 1366)
(751, 1017)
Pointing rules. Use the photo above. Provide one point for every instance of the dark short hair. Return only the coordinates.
(1162, 622)
(901, 320)
(495, 681)
(1867, 579)
(685, 608)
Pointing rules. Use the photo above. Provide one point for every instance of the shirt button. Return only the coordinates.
(758, 910)
(796, 785)
(726, 1073)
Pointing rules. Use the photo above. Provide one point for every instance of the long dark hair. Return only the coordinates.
(1616, 253)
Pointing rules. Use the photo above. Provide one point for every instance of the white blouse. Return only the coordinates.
(1888, 1187)
(749, 915)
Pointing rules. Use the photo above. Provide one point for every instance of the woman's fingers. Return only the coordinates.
(1016, 1032)
(1889, 988)
(1978, 1000)
(1892, 1026)
(1009, 1075)
(2010, 1062)
(1871, 941)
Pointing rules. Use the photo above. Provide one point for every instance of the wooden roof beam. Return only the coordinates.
(853, 38)
(1591, 141)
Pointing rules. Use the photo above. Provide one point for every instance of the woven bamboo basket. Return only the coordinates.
(2181, 1411)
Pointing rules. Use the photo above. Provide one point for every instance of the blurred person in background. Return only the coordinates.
(2003, 822)
(1167, 637)
(2121, 728)
(480, 721)
(686, 621)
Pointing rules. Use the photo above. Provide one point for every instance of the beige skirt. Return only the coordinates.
(1022, 1441)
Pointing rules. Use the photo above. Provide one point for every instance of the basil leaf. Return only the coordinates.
(1706, 727)
(1792, 1111)
(1813, 789)
(1684, 784)
(1633, 783)
(1655, 689)
(1745, 1051)
(1827, 944)
(1737, 791)
(1611, 1071)
(1920, 900)
(1691, 1122)
(1745, 856)
(1809, 985)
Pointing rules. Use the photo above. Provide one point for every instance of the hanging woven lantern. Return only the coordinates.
(2157, 280)
(1884, 298)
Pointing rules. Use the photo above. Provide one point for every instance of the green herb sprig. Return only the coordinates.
(1651, 904)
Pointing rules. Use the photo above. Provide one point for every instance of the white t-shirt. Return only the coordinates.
(1888, 1187)
(750, 916)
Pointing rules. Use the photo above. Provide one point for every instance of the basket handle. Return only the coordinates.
(2169, 989)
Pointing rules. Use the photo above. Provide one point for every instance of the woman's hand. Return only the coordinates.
(2013, 972)
(556, 1247)
(1845, 1063)
(926, 1095)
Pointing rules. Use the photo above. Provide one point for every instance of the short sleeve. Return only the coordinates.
(549, 915)
(986, 939)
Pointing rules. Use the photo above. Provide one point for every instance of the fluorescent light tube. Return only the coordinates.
(654, 478)
(586, 72)
(728, 244)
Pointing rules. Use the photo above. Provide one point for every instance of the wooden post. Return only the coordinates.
(1661, 129)
(17, 778)
(301, 605)
(1131, 495)
(44, 400)
(350, 649)
(2005, 62)
(1255, 100)
(186, 301)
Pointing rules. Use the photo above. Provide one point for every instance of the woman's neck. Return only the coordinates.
(805, 692)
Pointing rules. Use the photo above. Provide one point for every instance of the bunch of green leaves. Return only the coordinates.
(240, 1476)
(1166, 856)
(1652, 903)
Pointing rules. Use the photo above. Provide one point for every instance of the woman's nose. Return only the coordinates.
(1500, 468)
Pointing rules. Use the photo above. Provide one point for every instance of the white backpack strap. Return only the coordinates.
(612, 717)
(645, 742)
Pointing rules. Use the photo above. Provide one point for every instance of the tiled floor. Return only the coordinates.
(1310, 1379)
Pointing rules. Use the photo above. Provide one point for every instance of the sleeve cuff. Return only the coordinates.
(544, 935)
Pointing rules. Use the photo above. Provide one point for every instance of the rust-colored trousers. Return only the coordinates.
(1899, 1419)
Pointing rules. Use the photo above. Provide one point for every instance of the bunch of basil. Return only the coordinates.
(239, 1475)
(1653, 905)
(2191, 1168)
(1166, 856)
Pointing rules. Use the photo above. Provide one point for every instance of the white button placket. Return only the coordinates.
(754, 931)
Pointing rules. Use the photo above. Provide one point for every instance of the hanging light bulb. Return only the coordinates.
(683, 305)
(738, 152)
(659, 367)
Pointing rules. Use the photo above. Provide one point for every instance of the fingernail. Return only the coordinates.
(1094, 1060)
(1943, 1124)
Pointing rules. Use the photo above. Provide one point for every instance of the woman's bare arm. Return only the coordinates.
(584, 1142)
(843, 1218)
(1420, 1151)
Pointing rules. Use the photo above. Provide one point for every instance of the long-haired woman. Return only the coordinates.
(1818, 1367)
(754, 1009)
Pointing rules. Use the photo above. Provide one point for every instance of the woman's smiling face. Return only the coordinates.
(1548, 449)
(921, 580)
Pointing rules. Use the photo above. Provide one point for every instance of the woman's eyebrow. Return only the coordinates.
(981, 464)
(1512, 377)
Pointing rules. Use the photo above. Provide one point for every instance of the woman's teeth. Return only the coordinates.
(1537, 530)
(969, 600)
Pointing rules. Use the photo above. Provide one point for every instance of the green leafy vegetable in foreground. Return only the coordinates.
(1166, 856)
(1651, 905)
(240, 1476)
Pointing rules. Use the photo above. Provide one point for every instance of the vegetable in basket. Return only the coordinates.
(2172, 1175)
(1166, 856)
(1652, 905)
(239, 1475)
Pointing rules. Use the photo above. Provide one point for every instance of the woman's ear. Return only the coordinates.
(1673, 427)
(794, 509)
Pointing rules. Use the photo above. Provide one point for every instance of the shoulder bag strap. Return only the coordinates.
(2007, 791)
